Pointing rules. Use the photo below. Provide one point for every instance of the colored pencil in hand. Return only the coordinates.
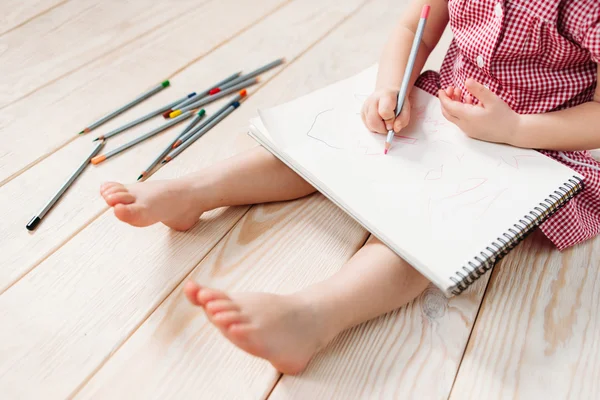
(166, 151)
(40, 215)
(144, 118)
(214, 97)
(407, 73)
(174, 121)
(201, 132)
(201, 94)
(127, 106)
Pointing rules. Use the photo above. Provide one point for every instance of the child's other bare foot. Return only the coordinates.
(284, 330)
(147, 203)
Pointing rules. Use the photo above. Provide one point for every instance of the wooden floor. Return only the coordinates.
(93, 308)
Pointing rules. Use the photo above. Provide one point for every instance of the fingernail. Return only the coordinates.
(388, 125)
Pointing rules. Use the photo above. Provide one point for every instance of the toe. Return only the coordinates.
(191, 290)
(119, 198)
(206, 295)
(130, 213)
(114, 189)
(218, 306)
(107, 185)
(224, 319)
(239, 331)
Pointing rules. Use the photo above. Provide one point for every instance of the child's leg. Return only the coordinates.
(288, 330)
(253, 177)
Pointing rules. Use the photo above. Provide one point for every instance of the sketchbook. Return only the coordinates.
(449, 205)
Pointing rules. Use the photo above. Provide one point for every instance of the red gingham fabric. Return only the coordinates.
(538, 56)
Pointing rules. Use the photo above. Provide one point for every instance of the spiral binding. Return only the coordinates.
(487, 258)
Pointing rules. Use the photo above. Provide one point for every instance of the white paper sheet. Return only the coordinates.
(438, 198)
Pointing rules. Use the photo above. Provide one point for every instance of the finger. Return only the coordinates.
(454, 108)
(445, 103)
(483, 94)
(403, 118)
(457, 95)
(468, 98)
(374, 121)
(386, 109)
(449, 90)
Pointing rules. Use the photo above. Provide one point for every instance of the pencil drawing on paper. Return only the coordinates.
(435, 174)
(514, 160)
(341, 130)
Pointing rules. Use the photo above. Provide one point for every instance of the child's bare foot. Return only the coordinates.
(147, 203)
(284, 330)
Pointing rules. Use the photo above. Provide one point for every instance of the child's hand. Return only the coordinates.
(378, 111)
(491, 120)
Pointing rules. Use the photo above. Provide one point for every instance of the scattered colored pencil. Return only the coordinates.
(166, 151)
(144, 118)
(103, 157)
(254, 73)
(407, 73)
(40, 215)
(189, 134)
(210, 99)
(202, 94)
(127, 106)
(201, 132)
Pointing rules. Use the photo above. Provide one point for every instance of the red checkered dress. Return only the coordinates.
(538, 56)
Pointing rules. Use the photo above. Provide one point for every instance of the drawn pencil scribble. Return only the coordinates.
(514, 160)
(342, 130)
(308, 133)
(467, 186)
(479, 207)
(434, 174)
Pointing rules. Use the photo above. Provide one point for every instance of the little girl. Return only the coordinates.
(520, 72)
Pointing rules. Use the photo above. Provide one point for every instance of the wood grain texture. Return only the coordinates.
(395, 356)
(178, 354)
(16, 13)
(65, 107)
(411, 353)
(23, 250)
(59, 334)
(68, 315)
(75, 34)
(538, 332)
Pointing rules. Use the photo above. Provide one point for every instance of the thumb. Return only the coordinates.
(387, 108)
(483, 94)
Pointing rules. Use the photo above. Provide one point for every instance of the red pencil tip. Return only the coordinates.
(385, 151)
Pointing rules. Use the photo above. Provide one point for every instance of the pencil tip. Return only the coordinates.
(385, 151)
(140, 177)
(33, 223)
(80, 133)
